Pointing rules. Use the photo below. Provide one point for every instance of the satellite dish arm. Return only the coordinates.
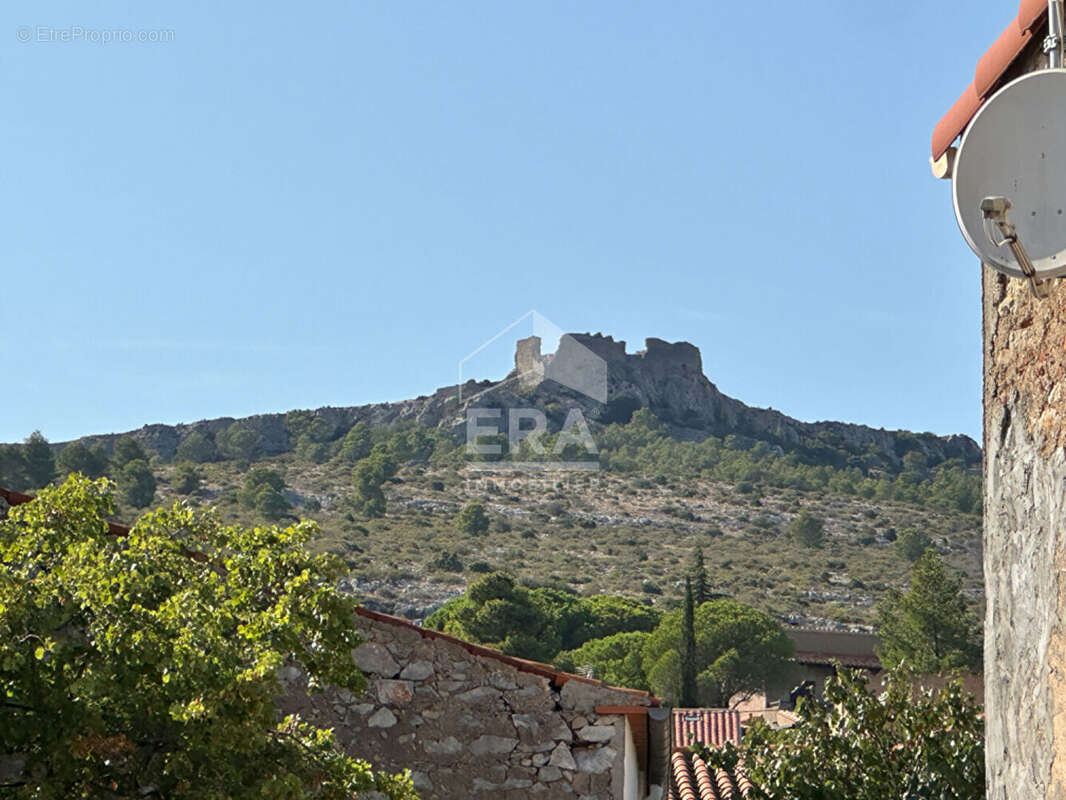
(1053, 41)
(994, 210)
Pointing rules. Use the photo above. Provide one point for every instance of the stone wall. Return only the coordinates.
(468, 725)
(1025, 539)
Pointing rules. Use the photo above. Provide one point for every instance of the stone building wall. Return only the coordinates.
(1025, 539)
(470, 725)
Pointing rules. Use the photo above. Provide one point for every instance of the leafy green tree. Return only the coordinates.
(147, 665)
(472, 520)
(501, 613)
(137, 484)
(257, 479)
(807, 529)
(127, 449)
(688, 650)
(863, 745)
(605, 615)
(13, 468)
(187, 478)
(240, 443)
(930, 627)
(368, 477)
(38, 462)
(197, 448)
(271, 504)
(356, 444)
(738, 649)
(78, 457)
(613, 659)
(912, 543)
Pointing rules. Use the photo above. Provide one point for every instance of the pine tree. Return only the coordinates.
(688, 654)
(40, 464)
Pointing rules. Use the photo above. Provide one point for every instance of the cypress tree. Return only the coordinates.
(688, 654)
(701, 592)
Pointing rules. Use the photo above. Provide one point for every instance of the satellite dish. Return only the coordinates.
(1015, 151)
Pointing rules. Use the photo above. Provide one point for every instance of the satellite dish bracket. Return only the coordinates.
(994, 211)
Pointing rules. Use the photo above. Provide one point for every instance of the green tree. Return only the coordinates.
(501, 613)
(13, 468)
(368, 477)
(701, 589)
(257, 479)
(863, 745)
(356, 444)
(807, 529)
(240, 443)
(78, 457)
(137, 484)
(738, 649)
(605, 615)
(38, 462)
(147, 665)
(197, 448)
(472, 519)
(912, 543)
(187, 478)
(613, 659)
(688, 650)
(930, 627)
(127, 449)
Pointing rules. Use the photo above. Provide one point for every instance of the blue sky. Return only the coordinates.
(291, 206)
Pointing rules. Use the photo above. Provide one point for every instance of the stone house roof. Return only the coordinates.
(823, 648)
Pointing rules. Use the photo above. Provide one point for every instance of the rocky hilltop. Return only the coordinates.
(595, 373)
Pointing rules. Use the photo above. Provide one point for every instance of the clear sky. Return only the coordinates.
(293, 205)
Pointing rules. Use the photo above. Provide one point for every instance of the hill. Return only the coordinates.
(679, 465)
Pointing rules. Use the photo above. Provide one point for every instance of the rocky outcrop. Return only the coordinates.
(595, 373)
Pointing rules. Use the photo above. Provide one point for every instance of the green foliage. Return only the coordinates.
(912, 543)
(147, 665)
(127, 449)
(689, 667)
(197, 448)
(537, 623)
(930, 628)
(238, 442)
(806, 529)
(614, 659)
(78, 457)
(701, 589)
(13, 468)
(38, 462)
(368, 477)
(737, 649)
(263, 491)
(136, 484)
(472, 519)
(187, 478)
(859, 745)
(356, 444)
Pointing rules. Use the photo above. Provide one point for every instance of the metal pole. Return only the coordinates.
(1053, 42)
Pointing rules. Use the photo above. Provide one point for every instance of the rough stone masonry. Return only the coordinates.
(468, 725)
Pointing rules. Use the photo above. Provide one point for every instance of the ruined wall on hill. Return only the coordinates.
(470, 726)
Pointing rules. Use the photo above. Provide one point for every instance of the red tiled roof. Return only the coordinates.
(990, 69)
(557, 677)
(692, 779)
(709, 726)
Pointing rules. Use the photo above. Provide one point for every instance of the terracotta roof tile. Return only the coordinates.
(990, 69)
(691, 778)
(709, 726)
